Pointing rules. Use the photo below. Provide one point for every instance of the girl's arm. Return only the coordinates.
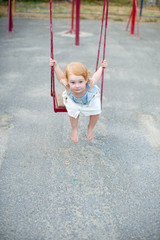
(59, 73)
(97, 75)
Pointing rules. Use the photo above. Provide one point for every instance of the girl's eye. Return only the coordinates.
(80, 81)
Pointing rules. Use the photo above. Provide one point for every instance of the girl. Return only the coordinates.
(81, 94)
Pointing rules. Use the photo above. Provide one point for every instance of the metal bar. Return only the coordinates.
(77, 22)
(133, 18)
(141, 8)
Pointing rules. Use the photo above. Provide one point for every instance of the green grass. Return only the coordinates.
(95, 2)
(111, 2)
(2, 15)
(118, 19)
(151, 20)
(83, 18)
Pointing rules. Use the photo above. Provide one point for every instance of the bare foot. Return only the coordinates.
(90, 135)
(75, 135)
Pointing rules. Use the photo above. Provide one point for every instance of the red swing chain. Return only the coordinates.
(51, 31)
(105, 7)
(56, 109)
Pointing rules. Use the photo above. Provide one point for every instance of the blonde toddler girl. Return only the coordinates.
(81, 94)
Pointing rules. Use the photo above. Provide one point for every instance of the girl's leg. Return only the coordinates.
(92, 123)
(74, 124)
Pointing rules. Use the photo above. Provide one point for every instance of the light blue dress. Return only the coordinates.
(86, 98)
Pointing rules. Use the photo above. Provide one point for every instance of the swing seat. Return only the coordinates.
(59, 99)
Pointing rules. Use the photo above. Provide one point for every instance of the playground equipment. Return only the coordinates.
(133, 17)
(77, 22)
(141, 8)
(10, 19)
(72, 20)
(57, 95)
(149, 3)
(105, 12)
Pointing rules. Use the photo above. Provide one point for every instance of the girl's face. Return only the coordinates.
(77, 84)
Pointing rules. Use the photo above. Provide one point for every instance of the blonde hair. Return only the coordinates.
(78, 69)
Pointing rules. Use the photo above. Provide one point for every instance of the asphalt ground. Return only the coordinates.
(54, 189)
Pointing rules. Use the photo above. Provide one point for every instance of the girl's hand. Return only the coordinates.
(104, 63)
(52, 63)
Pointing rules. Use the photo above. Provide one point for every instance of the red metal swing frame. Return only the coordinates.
(132, 18)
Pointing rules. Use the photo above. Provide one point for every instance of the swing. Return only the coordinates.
(57, 94)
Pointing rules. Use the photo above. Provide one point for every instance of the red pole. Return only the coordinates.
(72, 23)
(72, 20)
(10, 21)
(77, 21)
(133, 17)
